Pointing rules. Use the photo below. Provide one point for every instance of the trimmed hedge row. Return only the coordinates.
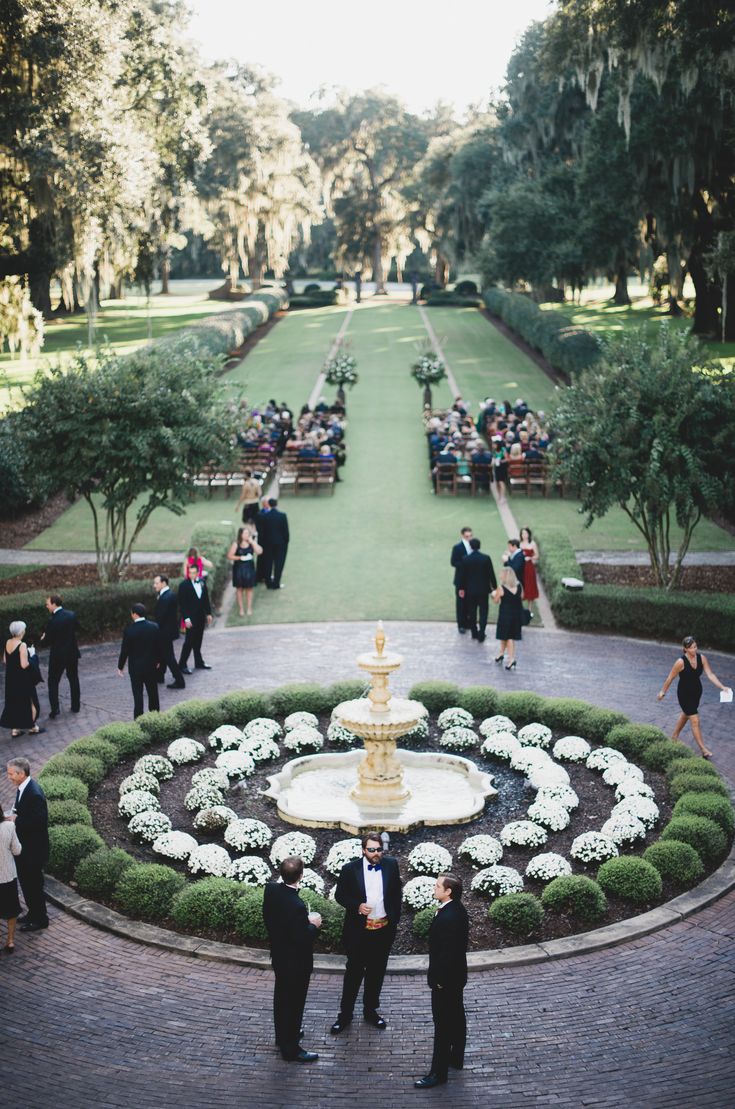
(650, 612)
(567, 347)
(226, 331)
(450, 298)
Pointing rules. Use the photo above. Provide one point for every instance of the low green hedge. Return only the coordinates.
(700, 767)
(630, 878)
(450, 298)
(480, 700)
(576, 896)
(633, 739)
(127, 739)
(62, 787)
(209, 903)
(706, 837)
(421, 923)
(242, 707)
(435, 695)
(712, 805)
(89, 770)
(695, 783)
(99, 872)
(521, 914)
(226, 331)
(565, 714)
(597, 723)
(249, 923)
(568, 348)
(146, 890)
(315, 298)
(96, 748)
(68, 812)
(521, 706)
(160, 727)
(676, 862)
(300, 697)
(68, 845)
(199, 716)
(332, 914)
(657, 756)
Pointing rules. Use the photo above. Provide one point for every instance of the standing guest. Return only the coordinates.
(194, 558)
(166, 615)
(19, 712)
(9, 903)
(689, 669)
(369, 888)
(30, 813)
(476, 580)
(358, 286)
(509, 595)
(249, 496)
(500, 467)
(276, 538)
(141, 649)
(291, 930)
(34, 665)
(60, 637)
(242, 554)
(460, 551)
(196, 613)
(515, 558)
(447, 978)
(530, 556)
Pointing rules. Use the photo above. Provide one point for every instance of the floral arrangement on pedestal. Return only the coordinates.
(428, 371)
(341, 369)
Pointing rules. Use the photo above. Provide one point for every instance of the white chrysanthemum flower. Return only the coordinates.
(593, 847)
(261, 748)
(236, 764)
(211, 776)
(294, 719)
(541, 777)
(248, 835)
(303, 738)
(527, 757)
(454, 718)
(535, 735)
(293, 843)
(459, 739)
(547, 866)
(209, 858)
(633, 787)
(549, 813)
(341, 852)
(174, 845)
(497, 724)
(156, 765)
(497, 880)
(139, 780)
(137, 800)
(263, 726)
(185, 750)
(642, 808)
(203, 797)
(572, 748)
(617, 771)
(147, 825)
(418, 733)
(341, 736)
(559, 793)
(481, 850)
(624, 828)
(523, 833)
(226, 738)
(249, 869)
(418, 893)
(602, 757)
(429, 858)
(214, 819)
(500, 745)
(310, 880)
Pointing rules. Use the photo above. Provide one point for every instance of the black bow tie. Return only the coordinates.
(377, 866)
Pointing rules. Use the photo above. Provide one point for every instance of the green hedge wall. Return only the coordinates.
(568, 348)
(228, 330)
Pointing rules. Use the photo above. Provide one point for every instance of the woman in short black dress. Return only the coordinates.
(509, 595)
(9, 903)
(19, 711)
(242, 556)
(689, 669)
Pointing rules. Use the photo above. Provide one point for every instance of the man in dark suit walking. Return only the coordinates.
(369, 888)
(460, 551)
(476, 581)
(196, 612)
(30, 813)
(447, 977)
(291, 930)
(141, 649)
(275, 530)
(166, 615)
(60, 637)
(515, 558)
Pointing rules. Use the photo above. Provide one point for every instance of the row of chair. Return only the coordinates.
(522, 475)
(259, 464)
(297, 474)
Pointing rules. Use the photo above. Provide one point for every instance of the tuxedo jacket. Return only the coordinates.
(31, 824)
(140, 648)
(60, 636)
(518, 564)
(459, 554)
(350, 893)
(476, 575)
(290, 934)
(448, 938)
(166, 615)
(273, 526)
(192, 607)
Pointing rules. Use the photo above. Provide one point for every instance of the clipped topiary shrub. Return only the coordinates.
(146, 890)
(60, 787)
(160, 727)
(706, 837)
(657, 756)
(96, 748)
(300, 697)
(209, 903)
(68, 845)
(676, 862)
(521, 706)
(422, 922)
(351, 689)
(696, 783)
(596, 723)
(576, 896)
(435, 695)
(479, 700)
(199, 716)
(241, 708)
(249, 923)
(691, 765)
(68, 812)
(521, 914)
(98, 873)
(633, 739)
(466, 288)
(128, 739)
(712, 805)
(631, 878)
(333, 916)
(564, 714)
(89, 770)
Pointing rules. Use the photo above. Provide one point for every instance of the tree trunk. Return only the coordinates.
(341, 395)
(728, 315)
(115, 292)
(441, 270)
(165, 271)
(256, 269)
(707, 301)
(378, 276)
(39, 284)
(427, 396)
(621, 285)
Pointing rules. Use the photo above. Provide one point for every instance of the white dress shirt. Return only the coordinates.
(373, 891)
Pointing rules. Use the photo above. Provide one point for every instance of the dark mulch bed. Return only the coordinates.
(27, 525)
(694, 579)
(596, 801)
(58, 578)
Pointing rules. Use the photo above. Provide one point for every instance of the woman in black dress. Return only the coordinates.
(9, 903)
(242, 556)
(19, 712)
(509, 595)
(689, 669)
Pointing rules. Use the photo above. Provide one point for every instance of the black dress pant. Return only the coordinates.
(367, 959)
(476, 614)
(461, 610)
(193, 642)
(264, 568)
(170, 663)
(289, 998)
(30, 876)
(56, 668)
(279, 561)
(138, 683)
(450, 1029)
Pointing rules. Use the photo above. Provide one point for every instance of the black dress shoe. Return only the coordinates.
(77, 709)
(429, 1081)
(53, 715)
(33, 926)
(376, 1020)
(203, 666)
(185, 670)
(462, 631)
(176, 685)
(302, 1057)
(340, 1024)
(22, 919)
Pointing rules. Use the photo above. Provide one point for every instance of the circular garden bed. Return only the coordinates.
(596, 819)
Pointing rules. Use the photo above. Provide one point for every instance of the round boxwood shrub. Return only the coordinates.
(435, 695)
(240, 708)
(312, 287)
(199, 716)
(520, 914)
(209, 903)
(466, 289)
(564, 714)
(422, 922)
(98, 873)
(596, 723)
(90, 771)
(479, 700)
(60, 787)
(68, 845)
(160, 727)
(249, 923)
(146, 890)
(676, 862)
(712, 805)
(657, 756)
(95, 748)
(521, 706)
(696, 783)
(631, 878)
(333, 916)
(633, 739)
(300, 697)
(706, 837)
(691, 765)
(351, 689)
(128, 739)
(68, 812)
(576, 896)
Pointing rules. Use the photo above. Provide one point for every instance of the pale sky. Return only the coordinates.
(423, 51)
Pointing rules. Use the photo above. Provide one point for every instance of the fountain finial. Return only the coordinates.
(379, 640)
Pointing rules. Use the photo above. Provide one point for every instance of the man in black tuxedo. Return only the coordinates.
(476, 580)
(60, 637)
(447, 977)
(141, 649)
(166, 615)
(275, 531)
(460, 551)
(196, 612)
(515, 558)
(291, 932)
(370, 890)
(30, 813)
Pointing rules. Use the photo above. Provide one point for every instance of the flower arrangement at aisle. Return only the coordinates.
(249, 869)
(209, 858)
(342, 852)
(248, 835)
(481, 850)
(430, 858)
(214, 819)
(148, 825)
(341, 368)
(497, 880)
(137, 800)
(547, 866)
(418, 893)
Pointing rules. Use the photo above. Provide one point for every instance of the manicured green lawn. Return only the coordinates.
(15, 571)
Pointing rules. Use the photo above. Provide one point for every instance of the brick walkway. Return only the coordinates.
(92, 1019)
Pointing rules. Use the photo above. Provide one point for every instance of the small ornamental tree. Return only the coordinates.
(128, 434)
(637, 431)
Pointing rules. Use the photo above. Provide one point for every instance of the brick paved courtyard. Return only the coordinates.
(93, 1019)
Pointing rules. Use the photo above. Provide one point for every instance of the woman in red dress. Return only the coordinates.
(530, 551)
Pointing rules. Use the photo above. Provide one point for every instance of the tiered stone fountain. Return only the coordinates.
(380, 786)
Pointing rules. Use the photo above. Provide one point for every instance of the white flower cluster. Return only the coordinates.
(293, 843)
(633, 787)
(458, 739)
(248, 835)
(214, 819)
(525, 758)
(341, 852)
(429, 858)
(593, 847)
(310, 880)
(294, 719)
(341, 736)
(303, 737)
(454, 718)
(535, 735)
(500, 745)
(156, 765)
(551, 814)
(236, 764)
(481, 850)
(572, 748)
(497, 880)
(263, 725)
(209, 858)
(249, 869)
(137, 800)
(175, 845)
(624, 828)
(429, 370)
(602, 757)
(140, 780)
(418, 893)
(260, 747)
(419, 732)
(149, 824)
(226, 738)
(211, 776)
(547, 866)
(620, 769)
(559, 793)
(523, 833)
(203, 796)
(549, 774)
(185, 750)
(643, 808)
(341, 370)
(497, 723)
